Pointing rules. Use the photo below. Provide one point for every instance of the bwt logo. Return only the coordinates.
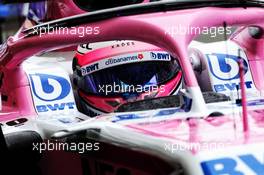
(160, 56)
(231, 166)
(55, 107)
(49, 87)
(225, 67)
(91, 68)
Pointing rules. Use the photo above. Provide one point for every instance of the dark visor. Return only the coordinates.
(144, 74)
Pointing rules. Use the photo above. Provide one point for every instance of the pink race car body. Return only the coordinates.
(201, 138)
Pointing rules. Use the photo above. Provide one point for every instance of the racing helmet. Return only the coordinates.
(126, 71)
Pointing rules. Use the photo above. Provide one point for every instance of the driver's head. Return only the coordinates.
(123, 72)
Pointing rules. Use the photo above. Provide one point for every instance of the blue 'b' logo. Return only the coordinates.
(225, 67)
(49, 87)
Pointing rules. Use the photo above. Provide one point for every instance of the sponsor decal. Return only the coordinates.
(85, 46)
(231, 86)
(88, 47)
(51, 93)
(52, 87)
(90, 68)
(225, 67)
(224, 71)
(255, 102)
(126, 117)
(55, 107)
(124, 59)
(160, 56)
(160, 113)
(123, 43)
(233, 159)
(244, 164)
(168, 112)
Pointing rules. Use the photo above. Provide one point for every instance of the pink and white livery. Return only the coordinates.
(214, 127)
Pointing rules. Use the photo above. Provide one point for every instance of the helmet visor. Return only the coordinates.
(130, 78)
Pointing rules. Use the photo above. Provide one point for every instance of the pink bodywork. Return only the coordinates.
(223, 130)
(149, 28)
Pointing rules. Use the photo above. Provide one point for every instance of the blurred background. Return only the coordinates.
(13, 14)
